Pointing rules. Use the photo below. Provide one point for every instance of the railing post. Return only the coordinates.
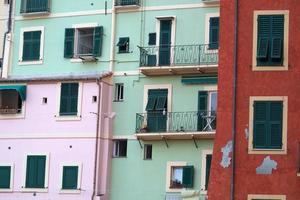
(199, 56)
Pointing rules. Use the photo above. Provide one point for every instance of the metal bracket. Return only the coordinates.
(140, 143)
(165, 141)
(196, 145)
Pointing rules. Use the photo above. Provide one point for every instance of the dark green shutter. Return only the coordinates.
(69, 99)
(277, 37)
(202, 109)
(214, 33)
(152, 39)
(98, 39)
(35, 172)
(161, 103)
(267, 130)
(69, 42)
(263, 48)
(31, 45)
(207, 170)
(23, 6)
(5, 177)
(70, 177)
(188, 176)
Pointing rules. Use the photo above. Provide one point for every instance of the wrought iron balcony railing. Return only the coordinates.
(35, 6)
(162, 122)
(178, 55)
(127, 2)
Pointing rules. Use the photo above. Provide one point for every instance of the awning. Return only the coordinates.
(202, 80)
(21, 89)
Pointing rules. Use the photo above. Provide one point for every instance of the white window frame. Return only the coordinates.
(79, 103)
(285, 42)
(18, 115)
(79, 178)
(264, 197)
(39, 190)
(203, 169)
(206, 35)
(10, 189)
(29, 29)
(114, 155)
(117, 95)
(169, 174)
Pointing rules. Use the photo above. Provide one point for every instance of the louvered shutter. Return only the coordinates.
(98, 40)
(69, 43)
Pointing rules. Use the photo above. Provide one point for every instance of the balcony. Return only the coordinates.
(178, 59)
(30, 7)
(176, 125)
(127, 3)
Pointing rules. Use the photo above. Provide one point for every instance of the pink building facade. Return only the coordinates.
(48, 152)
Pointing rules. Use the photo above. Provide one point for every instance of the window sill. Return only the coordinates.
(118, 101)
(120, 52)
(76, 60)
(9, 190)
(12, 116)
(119, 157)
(67, 118)
(174, 190)
(38, 190)
(37, 62)
(267, 151)
(65, 191)
(270, 68)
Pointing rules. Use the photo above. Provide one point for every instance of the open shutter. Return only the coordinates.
(188, 176)
(98, 39)
(161, 103)
(207, 170)
(5, 177)
(263, 38)
(69, 43)
(214, 33)
(276, 49)
(202, 109)
(277, 22)
(275, 124)
(260, 128)
(263, 48)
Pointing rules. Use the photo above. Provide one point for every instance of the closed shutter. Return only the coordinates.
(5, 177)
(188, 177)
(31, 45)
(267, 130)
(214, 33)
(35, 172)
(98, 39)
(152, 39)
(70, 177)
(69, 43)
(69, 99)
(207, 169)
(202, 109)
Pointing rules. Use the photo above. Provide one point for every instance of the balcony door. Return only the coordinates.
(157, 110)
(165, 42)
(207, 111)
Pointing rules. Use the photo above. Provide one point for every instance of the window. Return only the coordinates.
(207, 110)
(81, 42)
(126, 2)
(119, 92)
(270, 43)
(5, 177)
(70, 178)
(179, 176)
(148, 152)
(205, 169)
(31, 45)
(10, 102)
(35, 171)
(123, 45)
(214, 32)
(120, 148)
(268, 124)
(69, 99)
(35, 6)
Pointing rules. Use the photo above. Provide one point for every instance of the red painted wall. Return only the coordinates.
(283, 181)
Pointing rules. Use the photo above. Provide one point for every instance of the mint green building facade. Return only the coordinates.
(166, 111)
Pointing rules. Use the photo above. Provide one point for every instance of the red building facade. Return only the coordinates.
(256, 152)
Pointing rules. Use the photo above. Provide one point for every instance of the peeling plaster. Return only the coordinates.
(226, 160)
(267, 166)
(247, 133)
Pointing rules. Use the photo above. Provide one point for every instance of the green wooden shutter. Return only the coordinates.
(64, 99)
(188, 176)
(202, 109)
(5, 177)
(69, 99)
(260, 125)
(263, 39)
(35, 172)
(263, 48)
(207, 169)
(31, 45)
(70, 177)
(74, 98)
(277, 22)
(69, 42)
(152, 39)
(23, 6)
(275, 125)
(98, 40)
(214, 33)
(36, 45)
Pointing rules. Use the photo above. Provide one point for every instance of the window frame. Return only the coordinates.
(207, 30)
(127, 45)
(79, 178)
(203, 170)
(146, 146)
(21, 45)
(170, 165)
(284, 100)
(117, 155)
(79, 103)
(117, 95)
(10, 189)
(285, 42)
(46, 184)
(265, 197)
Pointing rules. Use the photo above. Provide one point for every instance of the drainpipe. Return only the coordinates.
(97, 139)
(113, 38)
(234, 86)
(9, 22)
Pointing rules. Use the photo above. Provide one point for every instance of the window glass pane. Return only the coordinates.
(176, 179)
(85, 41)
